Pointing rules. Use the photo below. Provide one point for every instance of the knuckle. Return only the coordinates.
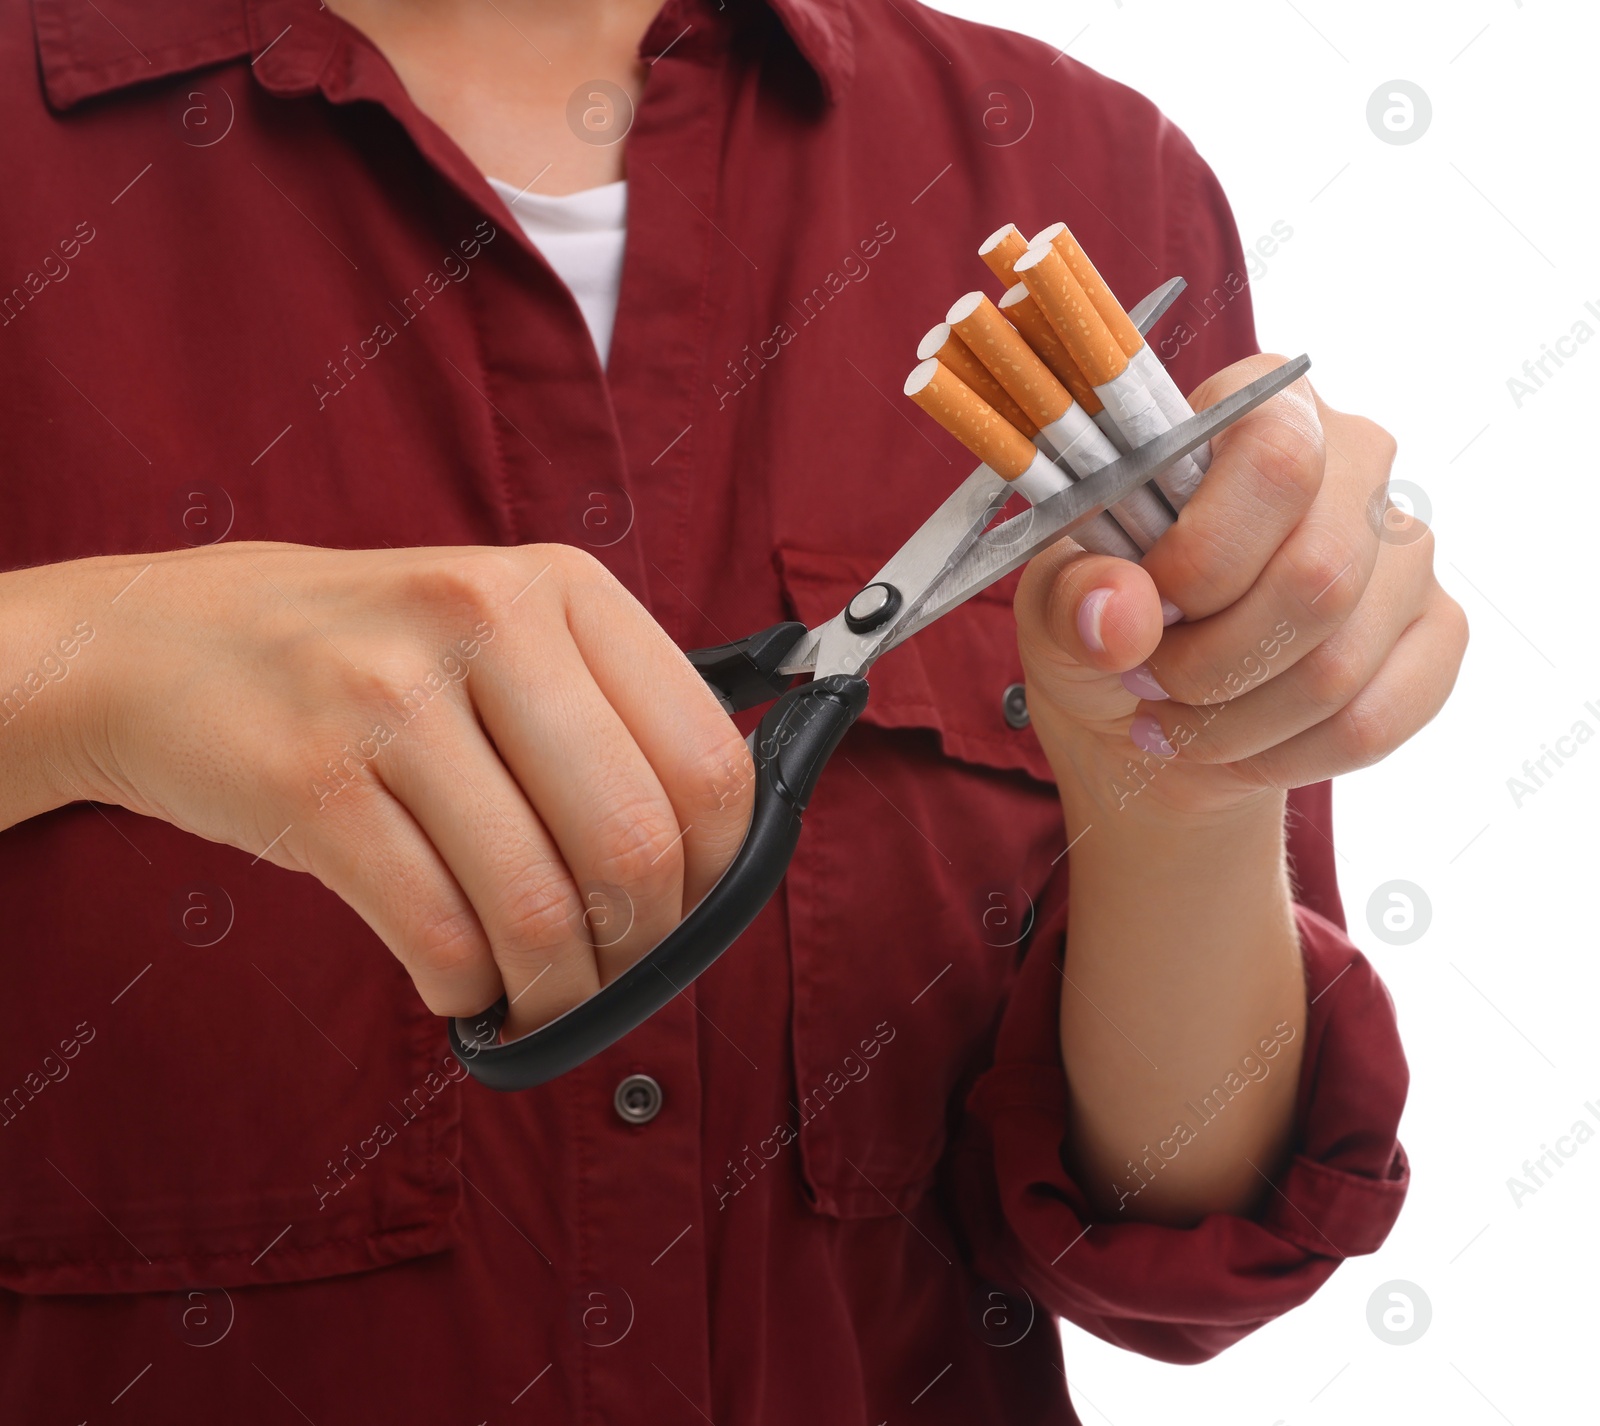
(1423, 545)
(445, 944)
(722, 777)
(392, 689)
(338, 775)
(1197, 561)
(1332, 673)
(463, 589)
(573, 568)
(1365, 731)
(1377, 439)
(1323, 578)
(536, 915)
(1288, 456)
(641, 849)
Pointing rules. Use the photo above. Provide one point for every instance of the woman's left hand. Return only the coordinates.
(1314, 640)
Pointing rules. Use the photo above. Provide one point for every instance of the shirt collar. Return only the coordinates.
(824, 34)
(88, 48)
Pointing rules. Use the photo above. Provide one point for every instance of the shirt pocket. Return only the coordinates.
(909, 897)
(265, 1101)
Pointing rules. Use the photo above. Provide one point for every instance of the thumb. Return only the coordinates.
(1083, 619)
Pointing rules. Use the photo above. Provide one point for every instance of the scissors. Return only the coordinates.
(957, 552)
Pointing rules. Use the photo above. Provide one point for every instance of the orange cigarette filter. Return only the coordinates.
(1018, 307)
(942, 342)
(970, 419)
(1000, 251)
(1059, 236)
(1072, 314)
(1011, 361)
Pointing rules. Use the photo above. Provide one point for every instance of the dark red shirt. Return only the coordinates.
(248, 291)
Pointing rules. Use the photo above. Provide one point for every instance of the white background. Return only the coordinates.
(1420, 278)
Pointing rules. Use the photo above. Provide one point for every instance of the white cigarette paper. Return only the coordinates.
(1174, 405)
(1084, 448)
(1127, 385)
(1064, 430)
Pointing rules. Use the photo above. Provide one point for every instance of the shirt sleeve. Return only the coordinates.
(1184, 1294)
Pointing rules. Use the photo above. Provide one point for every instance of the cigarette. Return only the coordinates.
(1009, 359)
(982, 429)
(1065, 431)
(1128, 399)
(1025, 315)
(1169, 399)
(942, 343)
(1101, 298)
(1000, 251)
(1050, 281)
(1004, 449)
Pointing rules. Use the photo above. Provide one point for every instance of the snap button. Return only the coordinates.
(1014, 704)
(638, 1099)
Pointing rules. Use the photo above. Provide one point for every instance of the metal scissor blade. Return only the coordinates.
(917, 566)
(1149, 310)
(1013, 543)
(1154, 306)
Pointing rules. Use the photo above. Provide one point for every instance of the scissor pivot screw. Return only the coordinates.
(872, 608)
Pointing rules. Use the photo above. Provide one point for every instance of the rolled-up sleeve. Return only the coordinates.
(1183, 1294)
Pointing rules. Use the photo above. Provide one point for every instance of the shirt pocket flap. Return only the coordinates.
(266, 1101)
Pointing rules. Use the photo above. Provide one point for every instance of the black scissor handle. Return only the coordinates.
(790, 748)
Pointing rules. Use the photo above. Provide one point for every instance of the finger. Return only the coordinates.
(1266, 471)
(699, 756)
(1310, 587)
(1267, 710)
(502, 856)
(1082, 615)
(370, 852)
(1402, 698)
(592, 787)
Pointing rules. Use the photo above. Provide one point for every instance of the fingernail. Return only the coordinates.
(1147, 736)
(1170, 613)
(1091, 614)
(1141, 683)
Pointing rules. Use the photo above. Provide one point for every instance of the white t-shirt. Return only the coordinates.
(581, 235)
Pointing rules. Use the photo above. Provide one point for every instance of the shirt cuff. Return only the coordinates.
(1183, 1294)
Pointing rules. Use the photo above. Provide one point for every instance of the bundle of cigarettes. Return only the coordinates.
(1053, 382)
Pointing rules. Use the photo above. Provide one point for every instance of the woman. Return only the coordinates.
(350, 546)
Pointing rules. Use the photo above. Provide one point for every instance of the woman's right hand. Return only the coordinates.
(495, 756)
